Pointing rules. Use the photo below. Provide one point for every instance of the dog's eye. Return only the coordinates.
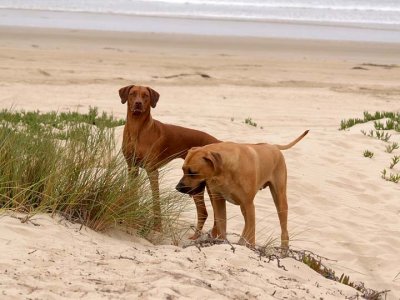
(191, 173)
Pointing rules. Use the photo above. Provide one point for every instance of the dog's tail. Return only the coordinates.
(290, 145)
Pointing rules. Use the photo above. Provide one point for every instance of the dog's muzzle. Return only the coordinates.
(190, 190)
(137, 108)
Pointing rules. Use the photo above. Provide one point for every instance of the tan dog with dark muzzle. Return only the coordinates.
(235, 173)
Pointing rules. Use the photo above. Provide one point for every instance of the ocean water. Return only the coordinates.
(351, 20)
(361, 12)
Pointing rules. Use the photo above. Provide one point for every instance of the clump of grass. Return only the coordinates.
(344, 124)
(392, 123)
(395, 161)
(250, 122)
(391, 147)
(390, 177)
(368, 153)
(75, 173)
(380, 135)
(35, 119)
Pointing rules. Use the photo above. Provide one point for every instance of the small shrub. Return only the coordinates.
(395, 161)
(391, 177)
(394, 178)
(368, 153)
(378, 125)
(381, 135)
(391, 147)
(250, 122)
(371, 133)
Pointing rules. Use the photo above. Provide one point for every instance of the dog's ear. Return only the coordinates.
(154, 96)
(215, 160)
(124, 92)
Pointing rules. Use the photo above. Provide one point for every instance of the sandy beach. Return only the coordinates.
(339, 206)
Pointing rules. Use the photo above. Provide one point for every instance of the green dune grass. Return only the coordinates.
(66, 164)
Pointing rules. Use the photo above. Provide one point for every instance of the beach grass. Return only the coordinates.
(391, 147)
(392, 120)
(384, 121)
(66, 164)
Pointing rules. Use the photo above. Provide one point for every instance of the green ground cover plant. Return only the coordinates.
(391, 122)
(59, 120)
(368, 154)
(250, 121)
(393, 177)
(391, 147)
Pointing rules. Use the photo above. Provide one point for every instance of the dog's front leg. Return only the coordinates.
(153, 177)
(133, 169)
(201, 214)
(219, 206)
(214, 231)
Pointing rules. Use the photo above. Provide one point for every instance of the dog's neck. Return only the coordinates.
(138, 123)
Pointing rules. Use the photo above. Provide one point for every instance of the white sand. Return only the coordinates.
(339, 207)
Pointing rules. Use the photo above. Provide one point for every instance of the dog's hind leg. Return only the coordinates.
(278, 192)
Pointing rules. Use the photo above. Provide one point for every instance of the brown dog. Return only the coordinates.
(235, 172)
(150, 144)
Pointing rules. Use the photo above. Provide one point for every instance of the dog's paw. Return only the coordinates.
(195, 236)
(243, 242)
(283, 252)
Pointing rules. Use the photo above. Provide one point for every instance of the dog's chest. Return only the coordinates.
(218, 187)
(140, 148)
(229, 198)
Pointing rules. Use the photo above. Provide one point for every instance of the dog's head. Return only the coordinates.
(200, 165)
(139, 98)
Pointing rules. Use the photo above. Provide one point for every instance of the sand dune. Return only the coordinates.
(82, 263)
(339, 206)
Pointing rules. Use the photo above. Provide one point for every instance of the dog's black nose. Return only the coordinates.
(180, 187)
(138, 105)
